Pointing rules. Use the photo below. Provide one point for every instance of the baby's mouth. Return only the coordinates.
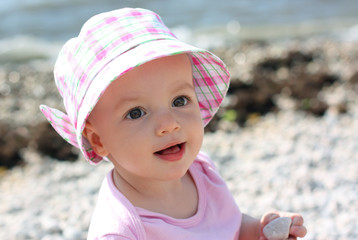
(171, 150)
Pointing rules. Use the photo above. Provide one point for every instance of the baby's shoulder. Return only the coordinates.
(204, 165)
(205, 161)
(114, 214)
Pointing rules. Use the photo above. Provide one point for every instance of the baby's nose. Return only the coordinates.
(166, 123)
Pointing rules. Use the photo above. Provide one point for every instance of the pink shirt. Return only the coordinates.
(217, 217)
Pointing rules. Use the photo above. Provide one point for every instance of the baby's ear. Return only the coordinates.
(92, 135)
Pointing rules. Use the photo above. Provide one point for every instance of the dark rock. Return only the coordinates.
(47, 141)
(250, 98)
(292, 59)
(253, 98)
(213, 124)
(313, 105)
(304, 88)
(354, 78)
(12, 140)
(297, 57)
(257, 96)
(342, 107)
(305, 85)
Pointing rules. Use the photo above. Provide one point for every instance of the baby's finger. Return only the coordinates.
(298, 231)
(269, 217)
(297, 221)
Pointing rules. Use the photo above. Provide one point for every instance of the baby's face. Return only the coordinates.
(148, 121)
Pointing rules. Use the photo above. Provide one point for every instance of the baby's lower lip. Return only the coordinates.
(172, 154)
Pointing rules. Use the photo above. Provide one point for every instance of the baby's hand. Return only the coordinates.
(295, 229)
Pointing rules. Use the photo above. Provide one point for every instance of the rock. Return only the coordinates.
(278, 229)
(72, 233)
(354, 79)
(297, 74)
(47, 141)
(12, 140)
(50, 225)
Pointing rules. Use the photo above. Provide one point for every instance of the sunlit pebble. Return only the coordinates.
(5, 90)
(39, 91)
(240, 58)
(14, 77)
(283, 73)
(314, 67)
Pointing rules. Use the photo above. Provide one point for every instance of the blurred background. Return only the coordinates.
(202, 22)
(285, 138)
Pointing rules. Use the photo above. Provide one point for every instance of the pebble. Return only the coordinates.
(278, 229)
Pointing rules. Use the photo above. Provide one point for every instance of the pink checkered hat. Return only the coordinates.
(109, 45)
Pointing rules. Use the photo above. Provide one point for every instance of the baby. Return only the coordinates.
(138, 97)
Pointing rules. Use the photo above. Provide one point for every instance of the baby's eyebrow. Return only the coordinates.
(184, 86)
(129, 99)
(125, 100)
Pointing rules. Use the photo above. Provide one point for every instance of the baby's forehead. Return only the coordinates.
(169, 66)
(174, 73)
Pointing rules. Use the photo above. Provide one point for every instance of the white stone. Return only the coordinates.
(72, 233)
(278, 229)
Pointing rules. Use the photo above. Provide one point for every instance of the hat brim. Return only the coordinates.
(210, 78)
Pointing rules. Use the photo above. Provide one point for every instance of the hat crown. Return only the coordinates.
(102, 38)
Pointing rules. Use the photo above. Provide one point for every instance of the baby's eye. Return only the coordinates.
(180, 101)
(135, 113)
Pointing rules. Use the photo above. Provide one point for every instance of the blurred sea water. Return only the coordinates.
(36, 29)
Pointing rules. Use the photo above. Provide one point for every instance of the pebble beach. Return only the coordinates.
(286, 158)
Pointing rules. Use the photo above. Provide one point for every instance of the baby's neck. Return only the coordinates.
(177, 199)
